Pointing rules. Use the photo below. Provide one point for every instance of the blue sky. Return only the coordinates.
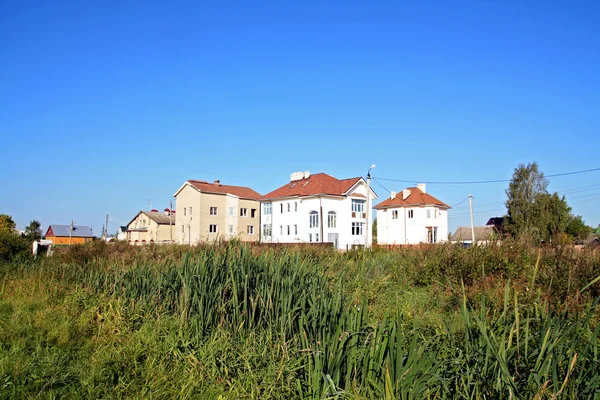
(109, 104)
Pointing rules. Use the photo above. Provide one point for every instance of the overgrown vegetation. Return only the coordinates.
(236, 321)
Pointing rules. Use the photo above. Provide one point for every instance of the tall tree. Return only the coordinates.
(7, 225)
(33, 231)
(524, 189)
(553, 215)
(577, 229)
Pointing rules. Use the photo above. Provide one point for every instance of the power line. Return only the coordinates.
(384, 188)
(485, 181)
(457, 204)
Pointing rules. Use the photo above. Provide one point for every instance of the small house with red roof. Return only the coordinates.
(211, 211)
(412, 216)
(316, 208)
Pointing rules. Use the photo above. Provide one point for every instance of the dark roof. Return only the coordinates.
(481, 233)
(320, 183)
(64, 231)
(160, 218)
(416, 198)
(217, 188)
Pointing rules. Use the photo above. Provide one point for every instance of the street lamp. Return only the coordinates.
(368, 233)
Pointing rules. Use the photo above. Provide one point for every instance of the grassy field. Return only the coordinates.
(233, 321)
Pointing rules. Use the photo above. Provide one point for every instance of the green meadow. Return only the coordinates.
(237, 321)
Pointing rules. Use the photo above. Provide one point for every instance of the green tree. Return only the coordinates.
(553, 215)
(577, 229)
(33, 231)
(525, 187)
(7, 225)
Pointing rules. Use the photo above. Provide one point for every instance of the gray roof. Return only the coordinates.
(78, 230)
(160, 218)
(481, 233)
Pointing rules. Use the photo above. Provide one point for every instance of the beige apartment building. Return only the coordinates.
(151, 227)
(212, 211)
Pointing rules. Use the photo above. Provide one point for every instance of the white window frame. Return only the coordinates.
(289, 230)
(295, 206)
(428, 213)
(211, 230)
(332, 219)
(267, 208)
(213, 211)
(231, 229)
(243, 212)
(358, 206)
(231, 211)
(313, 219)
(267, 230)
(394, 214)
(295, 229)
(289, 207)
(250, 229)
(358, 228)
(411, 214)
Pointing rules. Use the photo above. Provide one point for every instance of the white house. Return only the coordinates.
(316, 208)
(411, 217)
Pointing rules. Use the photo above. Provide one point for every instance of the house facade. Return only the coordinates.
(411, 217)
(211, 211)
(484, 235)
(67, 234)
(316, 208)
(151, 227)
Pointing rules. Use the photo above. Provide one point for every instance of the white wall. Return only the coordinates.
(414, 230)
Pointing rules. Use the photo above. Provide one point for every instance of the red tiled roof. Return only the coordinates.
(416, 198)
(240, 191)
(320, 183)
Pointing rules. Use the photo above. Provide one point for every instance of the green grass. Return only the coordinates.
(235, 321)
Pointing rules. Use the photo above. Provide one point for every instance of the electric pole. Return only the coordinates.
(71, 231)
(368, 236)
(106, 229)
(472, 225)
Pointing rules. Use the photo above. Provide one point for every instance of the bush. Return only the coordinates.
(13, 246)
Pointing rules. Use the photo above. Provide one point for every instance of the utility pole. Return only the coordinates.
(106, 229)
(171, 221)
(472, 225)
(71, 231)
(368, 235)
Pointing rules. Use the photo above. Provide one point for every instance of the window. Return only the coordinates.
(331, 219)
(410, 214)
(435, 212)
(428, 213)
(190, 211)
(250, 230)
(358, 206)
(212, 228)
(266, 230)
(184, 210)
(231, 211)
(243, 212)
(316, 237)
(267, 207)
(288, 229)
(296, 206)
(252, 212)
(314, 219)
(213, 211)
(310, 237)
(295, 229)
(281, 208)
(231, 229)
(281, 230)
(357, 228)
(289, 207)
(394, 214)
(182, 228)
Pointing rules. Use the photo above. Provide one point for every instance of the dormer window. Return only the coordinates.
(305, 183)
(292, 185)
